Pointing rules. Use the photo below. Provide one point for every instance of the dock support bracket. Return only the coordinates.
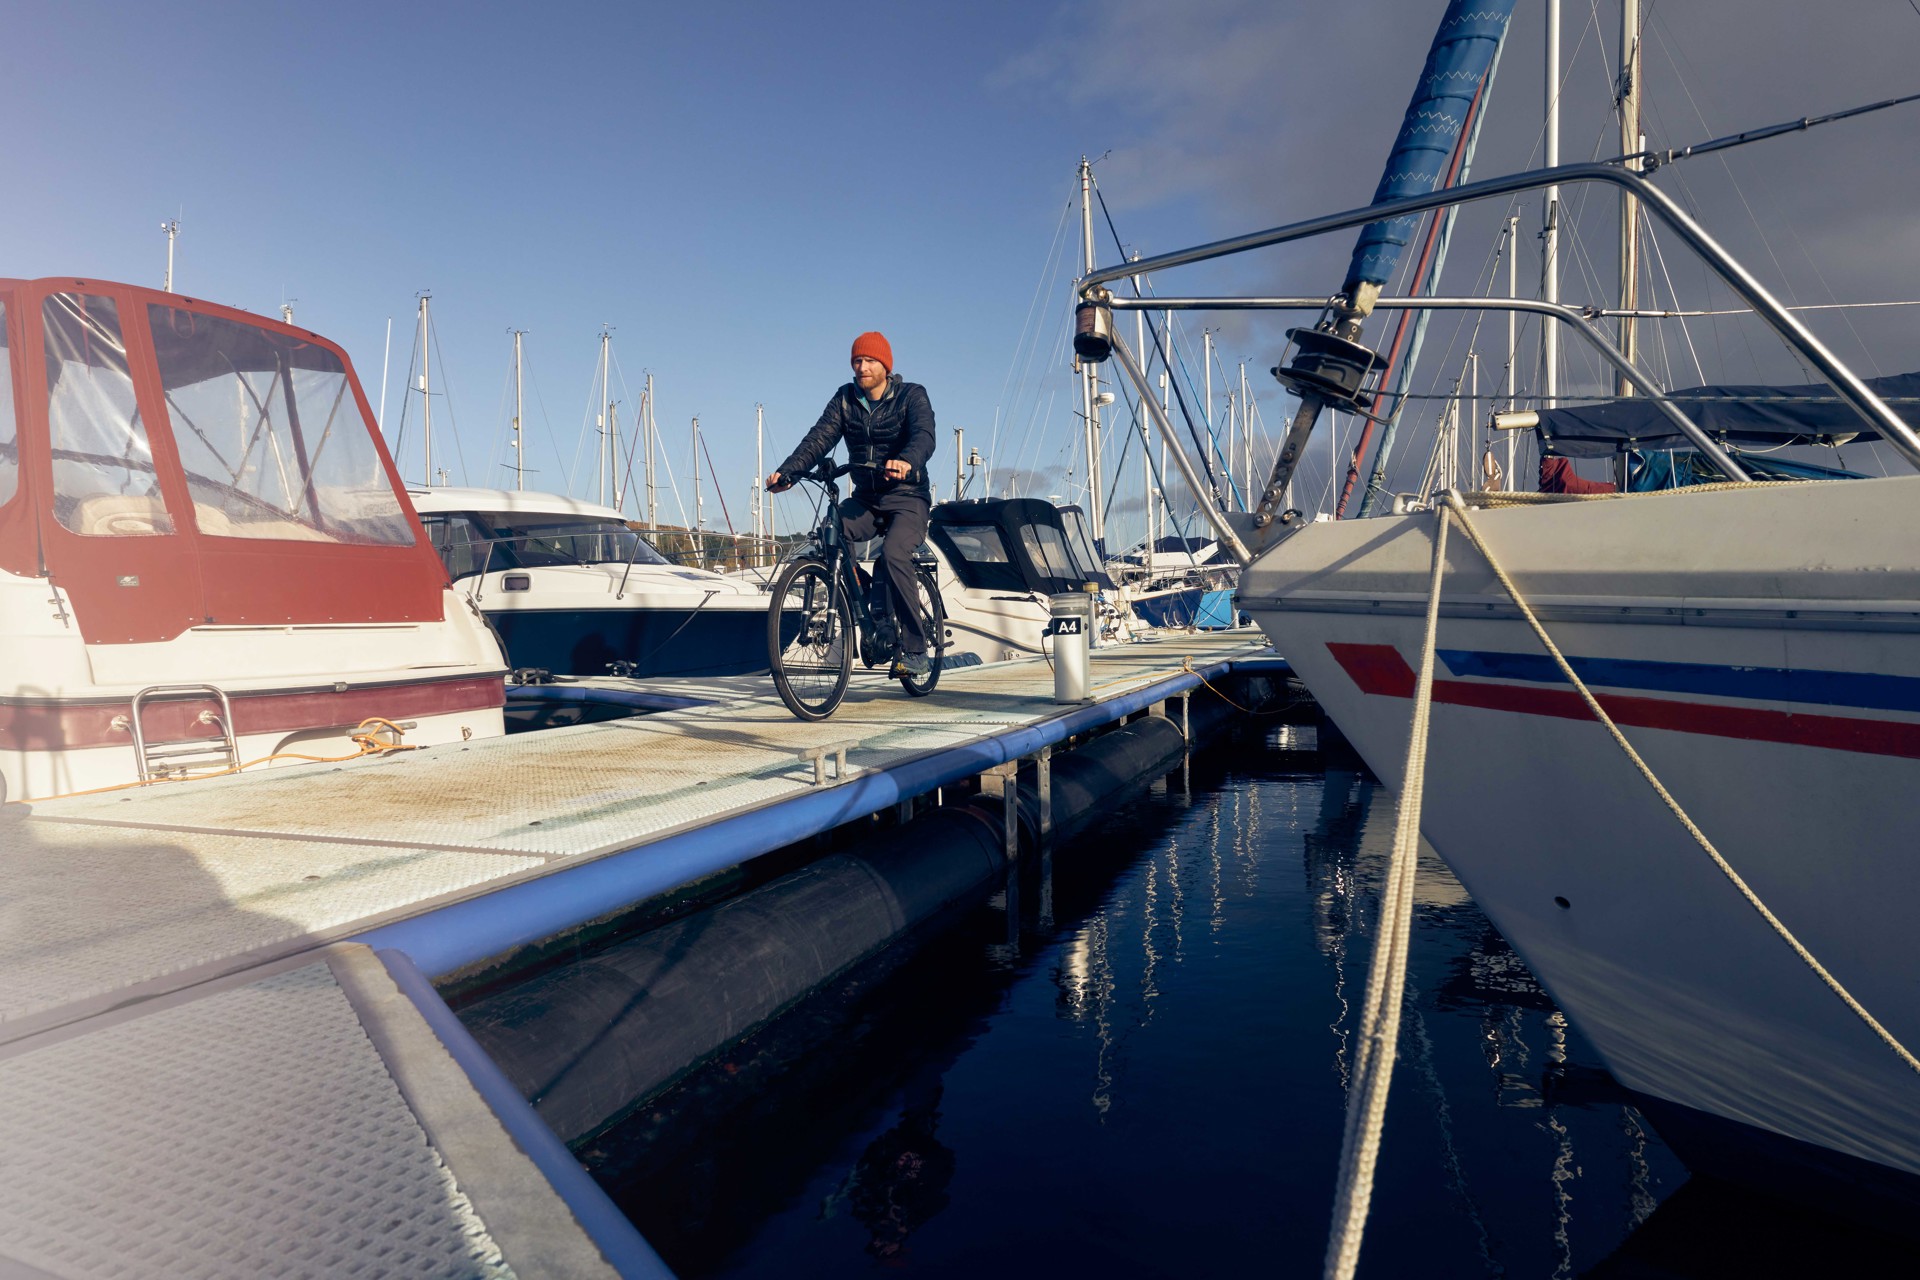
(1003, 780)
(1043, 775)
(817, 757)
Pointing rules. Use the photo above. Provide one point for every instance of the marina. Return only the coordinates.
(219, 924)
(1438, 806)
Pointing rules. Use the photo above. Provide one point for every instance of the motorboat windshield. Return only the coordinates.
(474, 542)
(1013, 544)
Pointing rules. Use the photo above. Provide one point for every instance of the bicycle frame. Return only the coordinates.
(830, 544)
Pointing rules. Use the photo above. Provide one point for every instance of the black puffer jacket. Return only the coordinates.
(900, 426)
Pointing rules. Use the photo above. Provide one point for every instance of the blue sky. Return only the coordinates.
(739, 189)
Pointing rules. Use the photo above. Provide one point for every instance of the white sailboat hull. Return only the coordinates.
(1761, 649)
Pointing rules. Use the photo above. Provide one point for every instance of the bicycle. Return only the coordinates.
(825, 607)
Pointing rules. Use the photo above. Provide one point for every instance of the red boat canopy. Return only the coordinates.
(170, 463)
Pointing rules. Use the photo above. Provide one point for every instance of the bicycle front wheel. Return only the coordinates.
(810, 639)
(933, 615)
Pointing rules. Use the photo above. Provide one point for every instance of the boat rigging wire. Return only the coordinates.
(1048, 270)
(1654, 159)
(446, 393)
(1206, 454)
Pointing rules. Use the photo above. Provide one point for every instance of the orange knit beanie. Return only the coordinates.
(876, 346)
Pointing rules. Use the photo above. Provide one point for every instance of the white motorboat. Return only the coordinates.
(1000, 562)
(575, 590)
(205, 556)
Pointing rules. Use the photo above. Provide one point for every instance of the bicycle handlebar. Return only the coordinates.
(825, 472)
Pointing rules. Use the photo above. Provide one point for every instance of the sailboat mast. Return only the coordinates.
(426, 392)
(1246, 441)
(1146, 441)
(1206, 362)
(759, 480)
(1550, 230)
(699, 502)
(386, 360)
(1630, 142)
(1089, 380)
(519, 406)
(651, 442)
(604, 450)
(1513, 335)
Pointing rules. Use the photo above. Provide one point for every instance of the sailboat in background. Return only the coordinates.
(573, 588)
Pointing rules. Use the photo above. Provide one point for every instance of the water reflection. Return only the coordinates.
(1134, 1062)
(900, 1180)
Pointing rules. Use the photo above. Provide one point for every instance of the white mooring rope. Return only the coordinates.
(1593, 705)
(1387, 975)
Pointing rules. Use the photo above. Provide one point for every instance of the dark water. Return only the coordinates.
(1134, 1064)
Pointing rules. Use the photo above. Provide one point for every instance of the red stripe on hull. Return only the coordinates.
(1379, 669)
(73, 725)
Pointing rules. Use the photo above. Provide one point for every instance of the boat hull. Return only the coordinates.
(655, 642)
(1759, 648)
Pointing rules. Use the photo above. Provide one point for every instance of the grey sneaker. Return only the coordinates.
(907, 665)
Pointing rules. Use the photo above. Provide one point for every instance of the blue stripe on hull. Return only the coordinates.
(1758, 684)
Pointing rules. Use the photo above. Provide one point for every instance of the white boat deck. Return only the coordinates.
(202, 1074)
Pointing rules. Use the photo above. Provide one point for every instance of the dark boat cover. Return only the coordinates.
(1752, 417)
(1013, 544)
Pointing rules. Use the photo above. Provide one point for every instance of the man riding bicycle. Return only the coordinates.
(888, 426)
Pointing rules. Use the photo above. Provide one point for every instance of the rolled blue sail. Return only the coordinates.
(1462, 50)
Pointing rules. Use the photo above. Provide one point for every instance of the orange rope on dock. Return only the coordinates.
(362, 736)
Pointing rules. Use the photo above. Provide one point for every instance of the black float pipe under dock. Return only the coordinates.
(591, 1039)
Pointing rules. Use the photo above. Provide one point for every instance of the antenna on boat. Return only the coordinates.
(172, 229)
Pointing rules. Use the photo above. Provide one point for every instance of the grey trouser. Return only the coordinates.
(860, 518)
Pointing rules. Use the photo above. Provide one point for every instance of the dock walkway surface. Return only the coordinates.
(220, 1050)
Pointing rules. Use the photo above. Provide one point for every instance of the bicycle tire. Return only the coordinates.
(934, 612)
(810, 639)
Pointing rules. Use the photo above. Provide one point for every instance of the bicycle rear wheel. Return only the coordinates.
(933, 614)
(810, 639)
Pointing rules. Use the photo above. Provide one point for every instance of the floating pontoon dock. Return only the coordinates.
(220, 1050)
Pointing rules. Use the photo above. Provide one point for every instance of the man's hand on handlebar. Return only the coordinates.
(892, 469)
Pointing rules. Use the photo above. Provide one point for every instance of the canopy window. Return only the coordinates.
(103, 476)
(980, 558)
(270, 435)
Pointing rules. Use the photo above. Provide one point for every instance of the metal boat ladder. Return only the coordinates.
(175, 756)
